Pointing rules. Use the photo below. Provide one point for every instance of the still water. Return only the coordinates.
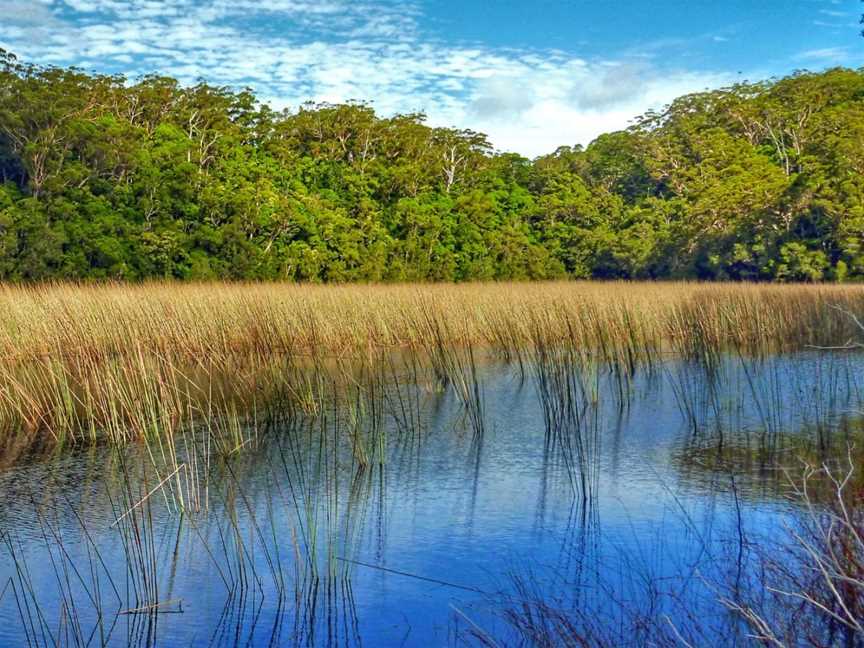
(292, 541)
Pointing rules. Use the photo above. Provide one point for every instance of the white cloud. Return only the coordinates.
(834, 13)
(825, 54)
(291, 51)
(577, 105)
(30, 13)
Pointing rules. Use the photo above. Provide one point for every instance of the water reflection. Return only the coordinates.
(420, 513)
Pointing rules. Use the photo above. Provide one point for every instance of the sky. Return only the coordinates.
(533, 75)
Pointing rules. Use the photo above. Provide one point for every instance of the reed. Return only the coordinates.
(220, 319)
(83, 363)
(811, 583)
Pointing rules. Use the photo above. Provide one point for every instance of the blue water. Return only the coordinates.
(428, 547)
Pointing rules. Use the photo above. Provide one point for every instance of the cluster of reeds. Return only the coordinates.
(810, 583)
(334, 412)
(802, 585)
(567, 388)
(281, 530)
(121, 362)
(766, 403)
(615, 320)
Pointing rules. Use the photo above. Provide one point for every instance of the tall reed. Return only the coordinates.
(82, 363)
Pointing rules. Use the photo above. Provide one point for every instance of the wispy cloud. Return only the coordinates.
(834, 13)
(291, 51)
(826, 55)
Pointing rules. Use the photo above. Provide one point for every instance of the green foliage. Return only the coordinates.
(105, 179)
(797, 263)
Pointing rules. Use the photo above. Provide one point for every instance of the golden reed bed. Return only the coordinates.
(198, 320)
(130, 362)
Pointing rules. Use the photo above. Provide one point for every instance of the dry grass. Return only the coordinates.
(194, 320)
(81, 362)
(810, 589)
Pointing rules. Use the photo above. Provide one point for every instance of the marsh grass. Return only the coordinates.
(810, 587)
(87, 363)
(340, 418)
(775, 407)
(623, 322)
(568, 391)
(254, 551)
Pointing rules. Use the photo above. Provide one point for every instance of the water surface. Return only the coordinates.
(293, 541)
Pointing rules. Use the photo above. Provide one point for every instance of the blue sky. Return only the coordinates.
(533, 75)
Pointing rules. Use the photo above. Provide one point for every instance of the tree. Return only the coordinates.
(104, 178)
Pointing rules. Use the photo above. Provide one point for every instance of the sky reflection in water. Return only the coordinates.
(423, 549)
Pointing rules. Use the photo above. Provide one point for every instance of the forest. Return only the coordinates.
(103, 177)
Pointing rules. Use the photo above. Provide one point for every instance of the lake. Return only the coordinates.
(429, 515)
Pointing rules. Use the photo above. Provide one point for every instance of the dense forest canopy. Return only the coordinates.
(101, 177)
